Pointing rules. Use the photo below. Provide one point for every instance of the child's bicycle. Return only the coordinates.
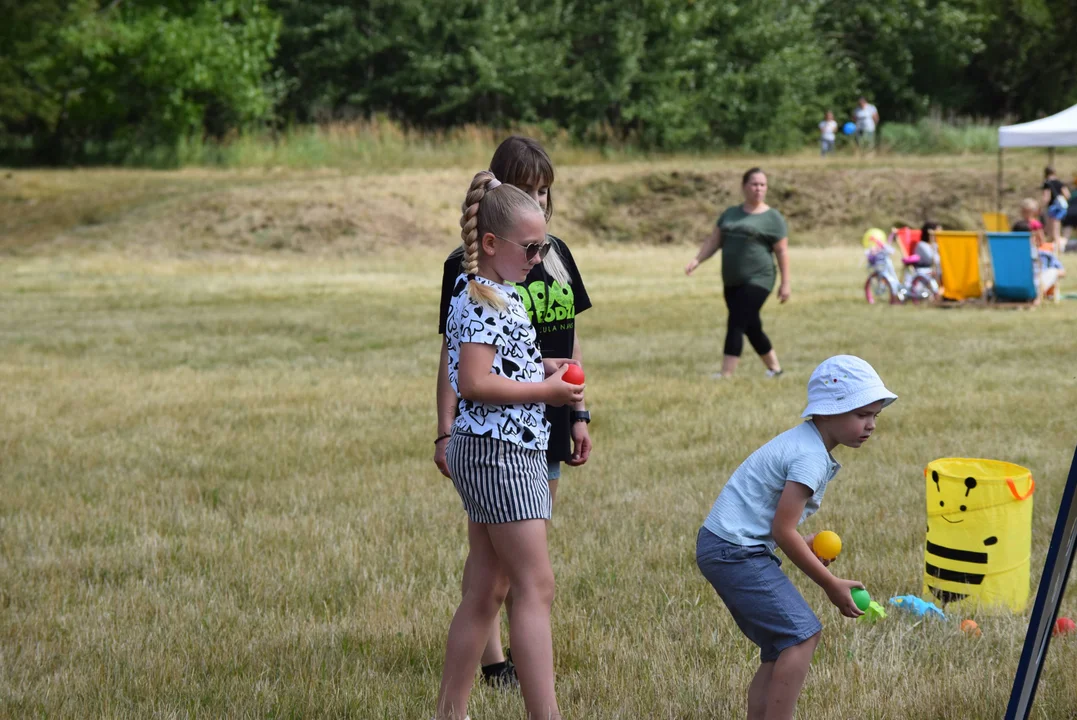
(919, 284)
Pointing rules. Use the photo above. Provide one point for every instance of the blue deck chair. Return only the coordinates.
(1013, 266)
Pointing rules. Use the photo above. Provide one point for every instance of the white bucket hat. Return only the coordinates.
(843, 383)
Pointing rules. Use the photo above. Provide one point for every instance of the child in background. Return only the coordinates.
(1068, 223)
(1056, 197)
(1030, 221)
(828, 129)
(1051, 271)
(925, 246)
(1051, 268)
(779, 486)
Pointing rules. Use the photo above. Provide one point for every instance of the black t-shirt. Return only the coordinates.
(556, 325)
(1055, 186)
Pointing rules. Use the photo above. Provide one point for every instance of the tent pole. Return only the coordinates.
(998, 196)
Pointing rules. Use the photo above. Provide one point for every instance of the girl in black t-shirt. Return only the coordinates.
(553, 294)
(1056, 200)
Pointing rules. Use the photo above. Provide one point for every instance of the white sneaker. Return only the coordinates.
(774, 373)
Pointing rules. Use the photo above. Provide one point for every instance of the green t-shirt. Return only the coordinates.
(748, 246)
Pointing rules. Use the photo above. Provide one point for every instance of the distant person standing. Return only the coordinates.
(751, 236)
(1056, 198)
(866, 116)
(1068, 223)
(828, 129)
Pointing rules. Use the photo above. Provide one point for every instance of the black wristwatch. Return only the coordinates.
(581, 416)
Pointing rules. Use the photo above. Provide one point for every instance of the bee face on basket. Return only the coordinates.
(968, 550)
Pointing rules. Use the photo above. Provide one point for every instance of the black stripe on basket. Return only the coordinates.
(953, 576)
(959, 555)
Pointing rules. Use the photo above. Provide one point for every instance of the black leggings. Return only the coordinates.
(744, 303)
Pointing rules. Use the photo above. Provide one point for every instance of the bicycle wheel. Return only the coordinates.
(878, 289)
(921, 290)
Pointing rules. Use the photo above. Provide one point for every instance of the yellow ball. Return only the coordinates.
(873, 237)
(827, 545)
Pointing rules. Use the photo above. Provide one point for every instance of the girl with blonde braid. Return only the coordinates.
(553, 295)
(497, 449)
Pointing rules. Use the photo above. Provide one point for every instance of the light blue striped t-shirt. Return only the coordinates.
(744, 510)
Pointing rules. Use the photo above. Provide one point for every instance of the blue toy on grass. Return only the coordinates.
(915, 605)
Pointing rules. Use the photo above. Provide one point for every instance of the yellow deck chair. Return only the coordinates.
(995, 222)
(959, 257)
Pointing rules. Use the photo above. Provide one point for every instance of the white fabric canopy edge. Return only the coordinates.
(1058, 130)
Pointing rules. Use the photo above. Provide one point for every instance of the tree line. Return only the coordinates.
(85, 78)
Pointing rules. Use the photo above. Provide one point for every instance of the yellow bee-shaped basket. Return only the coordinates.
(979, 532)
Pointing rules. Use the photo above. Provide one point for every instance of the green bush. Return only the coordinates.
(932, 137)
(129, 81)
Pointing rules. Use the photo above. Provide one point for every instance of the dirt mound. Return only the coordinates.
(820, 205)
(327, 212)
(297, 219)
(311, 214)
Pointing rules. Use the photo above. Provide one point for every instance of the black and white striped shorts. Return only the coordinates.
(498, 481)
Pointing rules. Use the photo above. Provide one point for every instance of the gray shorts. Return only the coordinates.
(553, 471)
(766, 606)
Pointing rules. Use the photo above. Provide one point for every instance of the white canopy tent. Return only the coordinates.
(1058, 130)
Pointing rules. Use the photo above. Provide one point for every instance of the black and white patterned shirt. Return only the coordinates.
(516, 357)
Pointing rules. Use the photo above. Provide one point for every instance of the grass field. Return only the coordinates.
(217, 497)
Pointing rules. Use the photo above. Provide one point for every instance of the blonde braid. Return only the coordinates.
(469, 234)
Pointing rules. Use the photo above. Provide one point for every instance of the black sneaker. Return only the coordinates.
(501, 675)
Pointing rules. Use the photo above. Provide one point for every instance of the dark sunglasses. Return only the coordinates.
(531, 250)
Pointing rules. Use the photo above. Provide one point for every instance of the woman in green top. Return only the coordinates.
(750, 236)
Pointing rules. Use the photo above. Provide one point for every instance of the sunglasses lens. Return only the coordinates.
(531, 250)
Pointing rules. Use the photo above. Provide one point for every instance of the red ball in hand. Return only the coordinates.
(573, 375)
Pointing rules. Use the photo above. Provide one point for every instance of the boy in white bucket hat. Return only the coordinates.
(779, 486)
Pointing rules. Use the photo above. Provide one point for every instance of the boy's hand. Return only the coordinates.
(810, 540)
(840, 593)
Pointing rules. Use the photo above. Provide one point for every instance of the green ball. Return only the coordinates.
(861, 598)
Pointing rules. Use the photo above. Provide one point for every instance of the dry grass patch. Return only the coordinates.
(335, 213)
(820, 204)
(216, 494)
